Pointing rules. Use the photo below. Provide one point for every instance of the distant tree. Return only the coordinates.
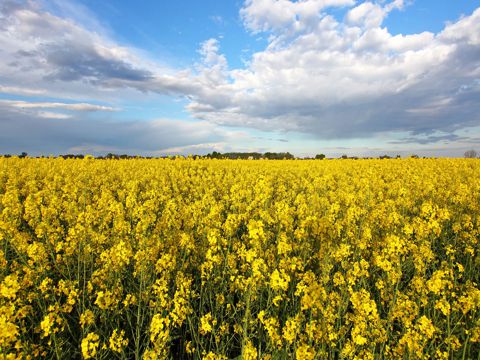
(112, 156)
(414, 156)
(470, 154)
(320, 156)
(215, 155)
(23, 155)
(344, 156)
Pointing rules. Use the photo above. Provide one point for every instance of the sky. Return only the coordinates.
(361, 78)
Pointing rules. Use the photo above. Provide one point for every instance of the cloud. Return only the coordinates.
(56, 105)
(195, 149)
(350, 79)
(35, 109)
(431, 139)
(371, 15)
(64, 57)
(21, 91)
(52, 115)
(51, 134)
(279, 15)
(79, 62)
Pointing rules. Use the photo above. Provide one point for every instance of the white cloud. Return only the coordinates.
(21, 91)
(277, 15)
(466, 30)
(371, 15)
(56, 105)
(52, 115)
(367, 15)
(348, 79)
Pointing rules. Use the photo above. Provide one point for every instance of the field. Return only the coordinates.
(219, 259)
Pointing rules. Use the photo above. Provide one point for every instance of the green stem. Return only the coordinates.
(245, 321)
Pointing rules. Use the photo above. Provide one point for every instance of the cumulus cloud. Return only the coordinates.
(279, 15)
(349, 79)
(371, 15)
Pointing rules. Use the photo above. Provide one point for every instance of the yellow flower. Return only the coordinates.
(249, 351)
(159, 330)
(90, 345)
(213, 356)
(45, 285)
(437, 282)
(117, 342)
(304, 352)
(105, 300)
(277, 300)
(9, 287)
(207, 323)
(8, 331)
(47, 324)
(291, 329)
(279, 280)
(189, 348)
(87, 318)
(426, 327)
(443, 305)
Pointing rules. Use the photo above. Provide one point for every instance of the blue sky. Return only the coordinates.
(309, 76)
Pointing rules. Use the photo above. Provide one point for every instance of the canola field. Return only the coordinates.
(220, 259)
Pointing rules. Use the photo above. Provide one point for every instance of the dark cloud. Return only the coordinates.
(72, 62)
(431, 139)
(36, 135)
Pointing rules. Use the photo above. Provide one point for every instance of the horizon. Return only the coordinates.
(275, 156)
(360, 78)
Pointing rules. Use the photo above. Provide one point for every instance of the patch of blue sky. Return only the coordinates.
(173, 31)
(428, 15)
(154, 108)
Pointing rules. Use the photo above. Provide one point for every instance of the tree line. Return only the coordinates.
(470, 154)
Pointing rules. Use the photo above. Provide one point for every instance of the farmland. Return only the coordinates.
(221, 259)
